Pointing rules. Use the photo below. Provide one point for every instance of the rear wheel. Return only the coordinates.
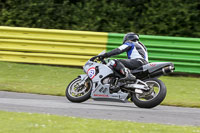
(153, 97)
(77, 92)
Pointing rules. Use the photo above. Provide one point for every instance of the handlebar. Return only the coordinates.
(99, 59)
(93, 58)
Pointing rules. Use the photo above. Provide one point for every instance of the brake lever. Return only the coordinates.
(93, 58)
(103, 61)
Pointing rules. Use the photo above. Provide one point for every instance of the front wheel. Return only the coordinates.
(77, 91)
(153, 97)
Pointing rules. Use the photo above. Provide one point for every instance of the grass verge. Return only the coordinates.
(42, 79)
(44, 123)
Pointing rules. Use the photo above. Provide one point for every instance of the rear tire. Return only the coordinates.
(76, 92)
(154, 101)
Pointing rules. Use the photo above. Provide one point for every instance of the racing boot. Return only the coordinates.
(128, 75)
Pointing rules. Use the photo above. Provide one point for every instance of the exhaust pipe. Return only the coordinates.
(168, 69)
(162, 71)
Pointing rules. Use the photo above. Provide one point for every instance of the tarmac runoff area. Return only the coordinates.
(34, 103)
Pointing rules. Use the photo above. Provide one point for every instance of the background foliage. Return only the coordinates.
(152, 17)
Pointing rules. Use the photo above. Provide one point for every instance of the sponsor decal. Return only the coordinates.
(100, 95)
(152, 65)
(89, 64)
(91, 72)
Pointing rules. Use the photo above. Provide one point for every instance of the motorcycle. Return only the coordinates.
(102, 83)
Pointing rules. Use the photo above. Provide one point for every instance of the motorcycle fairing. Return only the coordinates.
(101, 91)
(151, 67)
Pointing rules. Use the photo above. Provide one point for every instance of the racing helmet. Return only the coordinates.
(131, 36)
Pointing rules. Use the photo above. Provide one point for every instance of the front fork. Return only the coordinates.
(83, 77)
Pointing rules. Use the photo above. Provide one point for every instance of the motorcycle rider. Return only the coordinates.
(136, 53)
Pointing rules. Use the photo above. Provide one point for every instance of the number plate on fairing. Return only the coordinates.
(91, 72)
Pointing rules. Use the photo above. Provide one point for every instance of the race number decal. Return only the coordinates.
(152, 64)
(91, 72)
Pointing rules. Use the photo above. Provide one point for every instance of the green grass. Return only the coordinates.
(181, 91)
(36, 78)
(44, 123)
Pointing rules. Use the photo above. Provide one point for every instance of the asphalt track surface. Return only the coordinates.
(33, 103)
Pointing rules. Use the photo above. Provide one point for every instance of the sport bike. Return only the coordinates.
(102, 82)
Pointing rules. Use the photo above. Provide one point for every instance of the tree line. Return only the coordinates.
(150, 17)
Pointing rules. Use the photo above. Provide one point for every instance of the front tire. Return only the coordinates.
(154, 97)
(76, 92)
